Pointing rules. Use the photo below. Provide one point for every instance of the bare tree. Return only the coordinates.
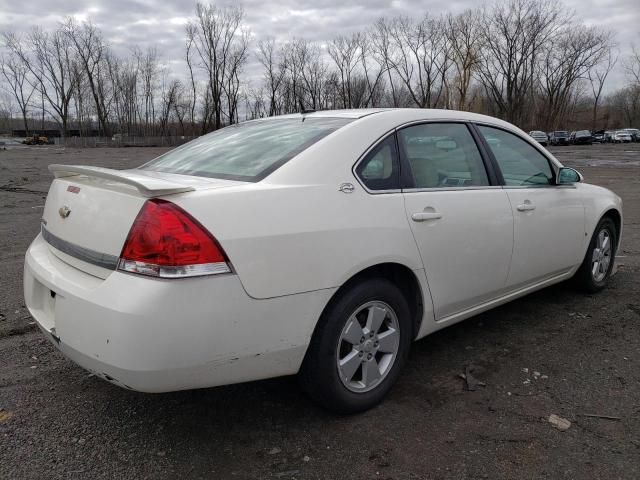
(233, 69)
(182, 107)
(345, 52)
(373, 74)
(597, 78)
(148, 73)
(513, 34)
(313, 73)
(626, 103)
(191, 31)
(384, 52)
(632, 65)
(422, 58)
(464, 36)
(294, 94)
(220, 42)
(568, 57)
(255, 104)
(275, 69)
(54, 56)
(91, 51)
(15, 73)
(170, 96)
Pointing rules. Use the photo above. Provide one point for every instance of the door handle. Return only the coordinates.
(527, 206)
(424, 216)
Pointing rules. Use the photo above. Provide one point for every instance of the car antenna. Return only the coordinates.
(304, 111)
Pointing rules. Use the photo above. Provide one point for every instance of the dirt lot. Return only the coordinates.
(57, 421)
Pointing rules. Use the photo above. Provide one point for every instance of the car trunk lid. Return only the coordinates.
(89, 210)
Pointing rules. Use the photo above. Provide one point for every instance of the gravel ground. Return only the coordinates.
(552, 352)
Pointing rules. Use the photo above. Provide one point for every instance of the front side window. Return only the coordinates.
(380, 169)
(442, 155)
(520, 162)
(247, 151)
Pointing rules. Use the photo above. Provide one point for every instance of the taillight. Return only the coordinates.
(165, 241)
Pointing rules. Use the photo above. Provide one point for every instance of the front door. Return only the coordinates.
(549, 229)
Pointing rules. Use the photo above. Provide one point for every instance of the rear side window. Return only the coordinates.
(442, 155)
(521, 163)
(380, 169)
(247, 151)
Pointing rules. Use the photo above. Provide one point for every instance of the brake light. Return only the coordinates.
(165, 241)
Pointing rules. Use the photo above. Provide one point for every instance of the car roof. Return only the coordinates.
(409, 113)
(346, 113)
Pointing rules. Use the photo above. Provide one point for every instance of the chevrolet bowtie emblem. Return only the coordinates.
(64, 211)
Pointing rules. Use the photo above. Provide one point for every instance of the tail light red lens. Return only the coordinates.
(165, 241)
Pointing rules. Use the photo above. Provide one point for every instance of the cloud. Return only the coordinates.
(145, 23)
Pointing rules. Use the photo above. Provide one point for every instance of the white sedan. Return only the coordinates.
(320, 243)
(539, 137)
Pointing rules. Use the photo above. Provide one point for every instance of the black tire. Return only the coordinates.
(584, 278)
(319, 376)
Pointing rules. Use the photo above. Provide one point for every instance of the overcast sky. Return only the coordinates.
(126, 23)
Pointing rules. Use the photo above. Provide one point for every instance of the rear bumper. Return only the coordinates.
(157, 335)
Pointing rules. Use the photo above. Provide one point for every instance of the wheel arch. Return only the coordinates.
(611, 212)
(400, 275)
(614, 215)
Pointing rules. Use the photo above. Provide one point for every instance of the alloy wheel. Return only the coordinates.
(601, 257)
(368, 346)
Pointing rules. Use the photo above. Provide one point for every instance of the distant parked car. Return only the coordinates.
(559, 137)
(634, 132)
(581, 137)
(37, 140)
(598, 136)
(608, 136)
(539, 137)
(621, 136)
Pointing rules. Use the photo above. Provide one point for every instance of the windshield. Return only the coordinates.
(583, 132)
(247, 151)
(561, 134)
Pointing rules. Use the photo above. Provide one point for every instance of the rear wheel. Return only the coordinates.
(598, 262)
(359, 347)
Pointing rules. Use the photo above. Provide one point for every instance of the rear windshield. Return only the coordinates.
(561, 133)
(247, 151)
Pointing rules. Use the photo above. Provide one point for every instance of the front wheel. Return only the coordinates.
(358, 348)
(598, 262)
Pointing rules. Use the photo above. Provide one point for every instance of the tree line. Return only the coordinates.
(520, 60)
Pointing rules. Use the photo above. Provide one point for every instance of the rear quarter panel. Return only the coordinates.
(283, 240)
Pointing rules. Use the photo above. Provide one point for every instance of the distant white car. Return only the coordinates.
(622, 136)
(634, 133)
(539, 137)
(321, 244)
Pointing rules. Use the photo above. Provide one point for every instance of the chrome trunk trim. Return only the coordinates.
(103, 260)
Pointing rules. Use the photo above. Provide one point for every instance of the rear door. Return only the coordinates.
(549, 225)
(460, 219)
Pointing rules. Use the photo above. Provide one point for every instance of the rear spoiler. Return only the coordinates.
(147, 186)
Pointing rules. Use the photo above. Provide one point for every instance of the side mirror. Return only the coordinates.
(568, 176)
